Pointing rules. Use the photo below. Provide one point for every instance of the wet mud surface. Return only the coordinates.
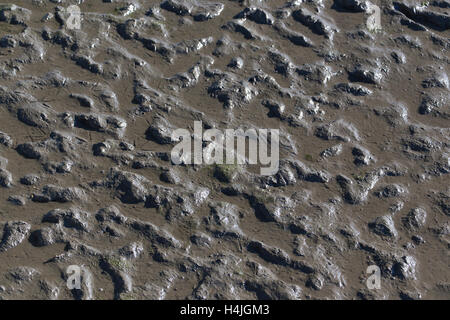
(86, 117)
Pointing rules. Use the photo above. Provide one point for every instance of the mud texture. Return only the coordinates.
(86, 117)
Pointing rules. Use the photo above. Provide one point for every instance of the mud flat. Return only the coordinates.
(86, 178)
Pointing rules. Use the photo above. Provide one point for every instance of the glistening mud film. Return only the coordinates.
(224, 150)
